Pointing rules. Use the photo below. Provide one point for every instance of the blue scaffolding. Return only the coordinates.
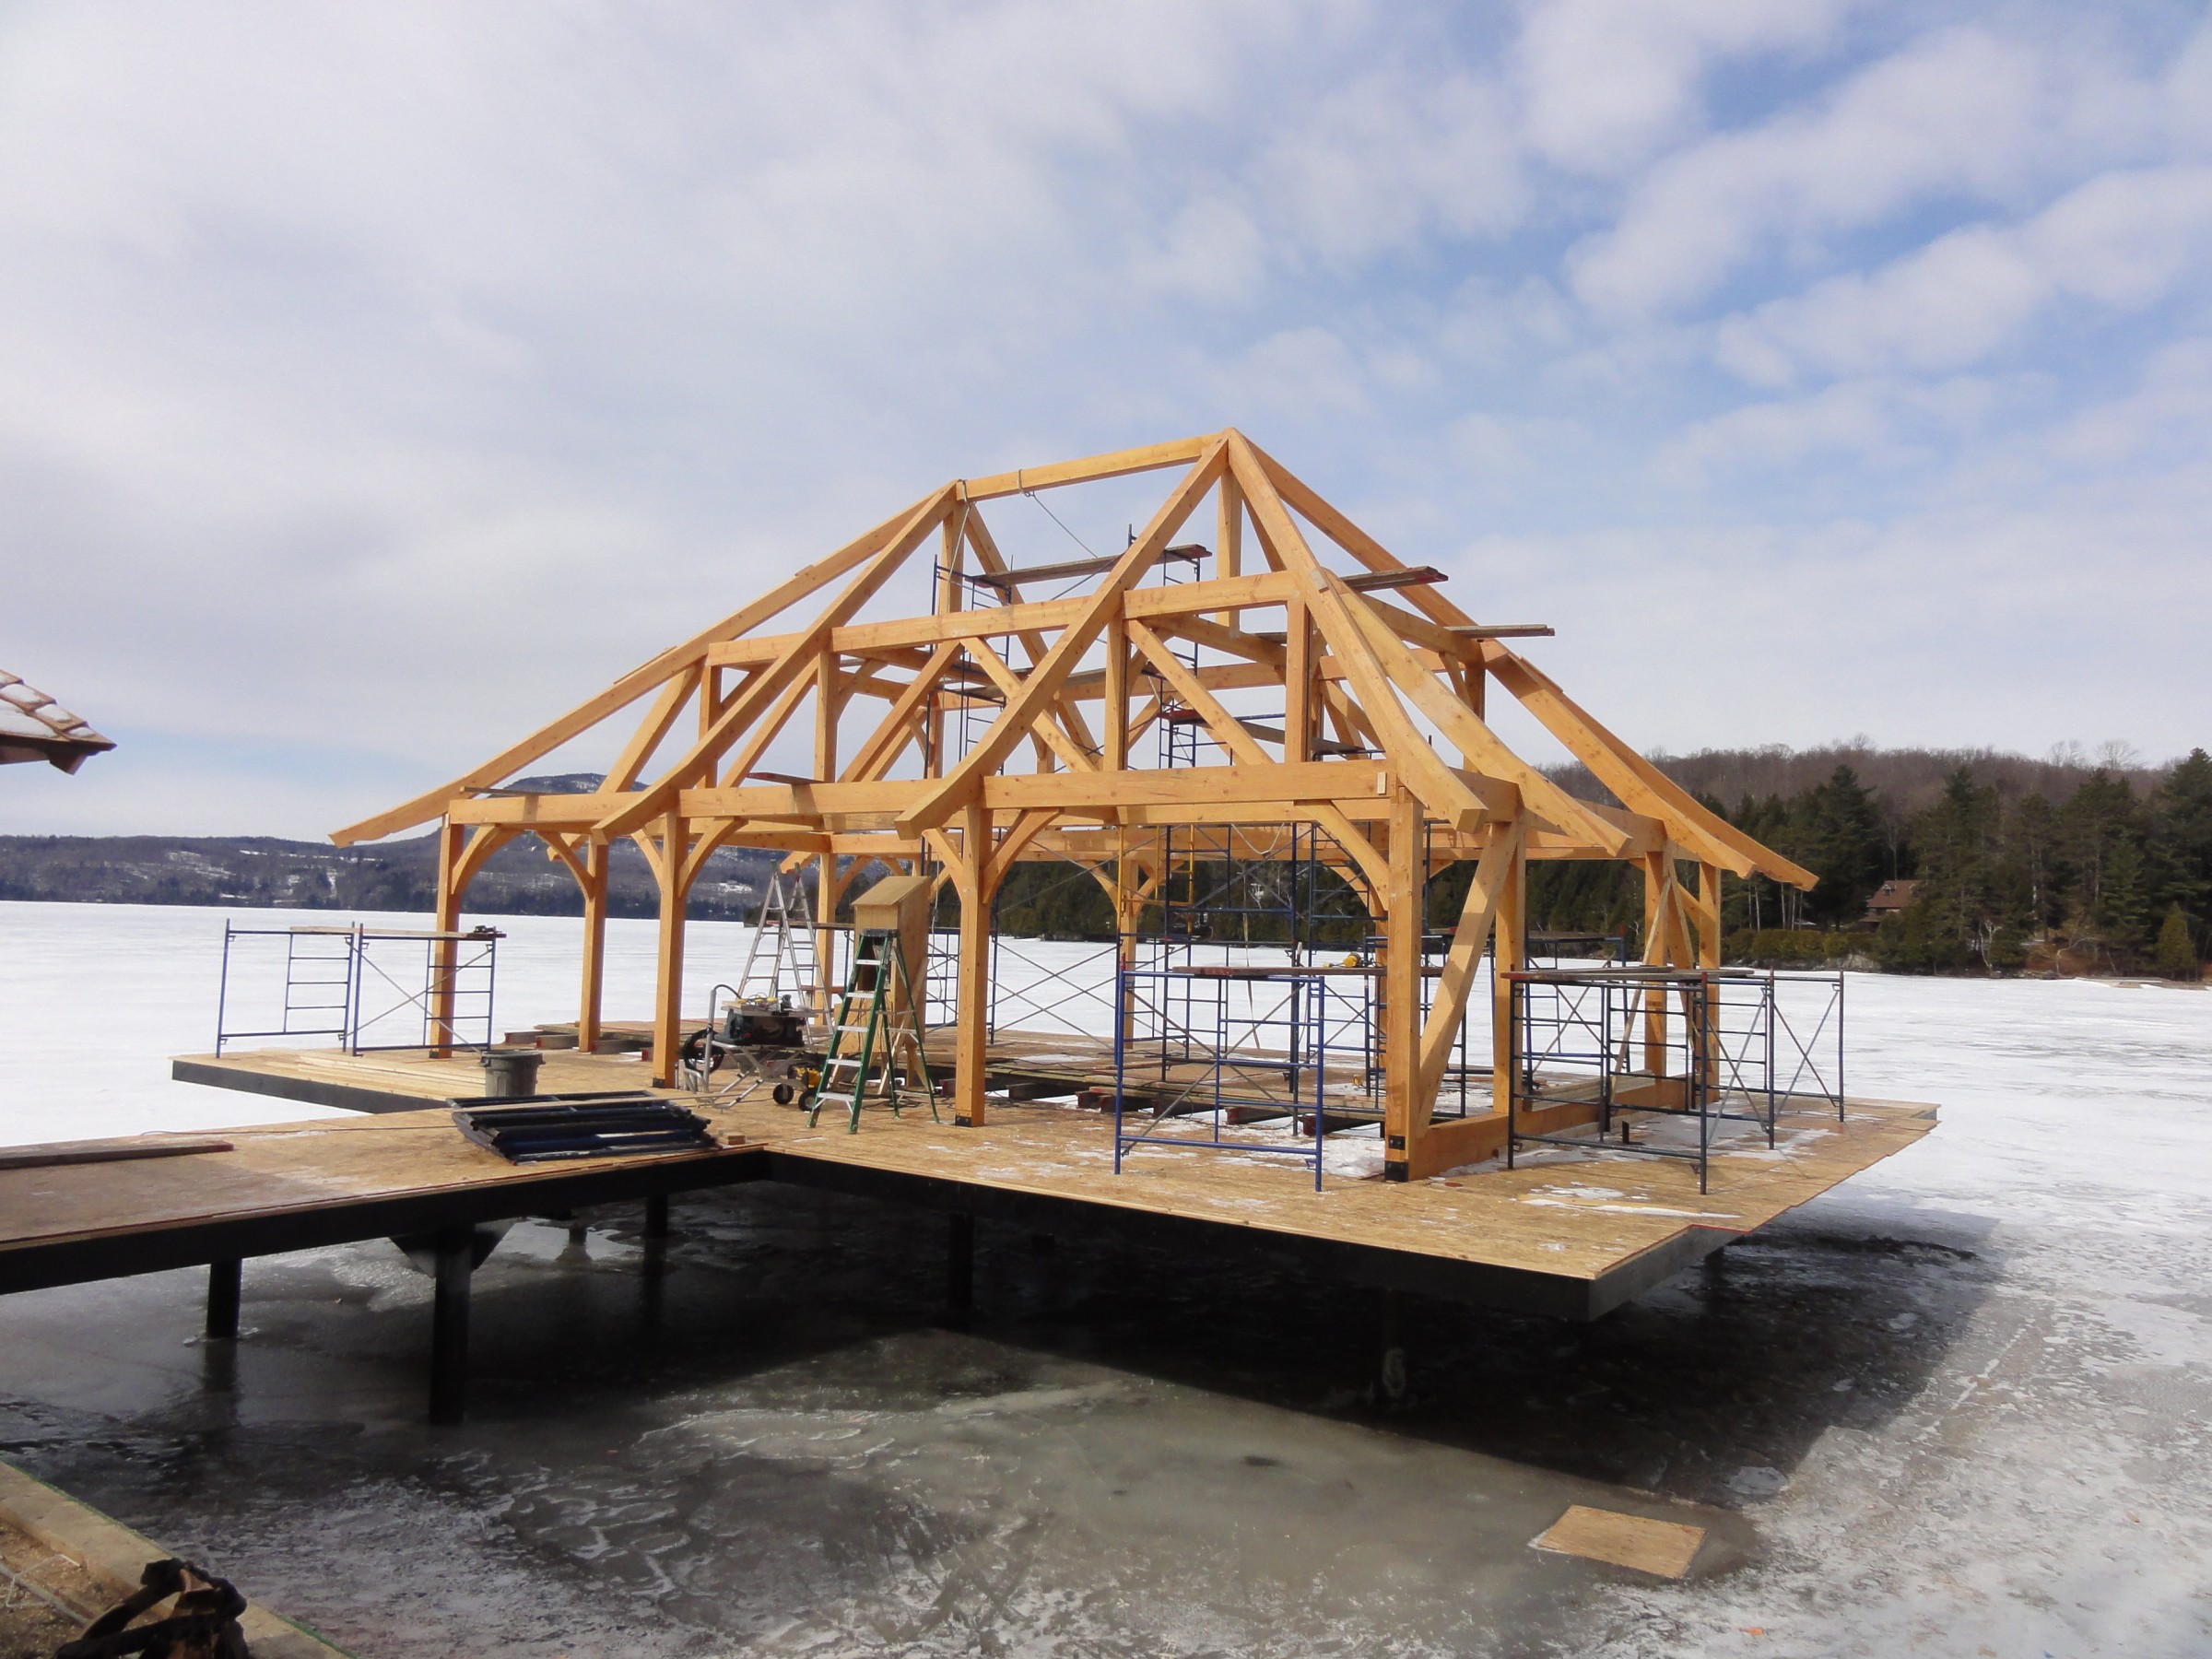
(370, 988)
(1185, 1055)
(1627, 1047)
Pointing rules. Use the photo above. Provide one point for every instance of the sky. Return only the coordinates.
(376, 382)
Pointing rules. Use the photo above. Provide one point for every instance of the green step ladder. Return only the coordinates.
(883, 1030)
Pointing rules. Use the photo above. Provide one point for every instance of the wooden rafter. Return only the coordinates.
(1369, 661)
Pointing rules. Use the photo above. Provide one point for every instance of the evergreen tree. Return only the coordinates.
(2096, 820)
(1949, 922)
(2177, 952)
(1841, 841)
(2180, 836)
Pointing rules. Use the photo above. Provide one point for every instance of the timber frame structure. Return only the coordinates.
(1363, 680)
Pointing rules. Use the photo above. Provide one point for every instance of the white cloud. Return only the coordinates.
(1886, 422)
(2167, 416)
(378, 380)
(1961, 112)
(1375, 165)
(1605, 82)
(2123, 238)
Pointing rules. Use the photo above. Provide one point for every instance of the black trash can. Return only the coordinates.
(511, 1074)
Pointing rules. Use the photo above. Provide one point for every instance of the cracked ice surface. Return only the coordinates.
(1957, 1405)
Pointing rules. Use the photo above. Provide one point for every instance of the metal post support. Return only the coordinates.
(657, 1216)
(449, 1326)
(959, 1268)
(1390, 1374)
(223, 1290)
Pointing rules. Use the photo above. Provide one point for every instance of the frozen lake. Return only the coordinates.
(1958, 1405)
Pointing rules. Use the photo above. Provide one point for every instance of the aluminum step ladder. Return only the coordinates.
(872, 1032)
(783, 944)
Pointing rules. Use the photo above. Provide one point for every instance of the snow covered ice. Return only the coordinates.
(1956, 1405)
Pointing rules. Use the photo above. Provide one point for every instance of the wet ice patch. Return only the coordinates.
(1756, 1483)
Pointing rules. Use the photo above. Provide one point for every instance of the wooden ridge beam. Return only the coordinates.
(1117, 464)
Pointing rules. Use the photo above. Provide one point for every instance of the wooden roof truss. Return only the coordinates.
(1366, 662)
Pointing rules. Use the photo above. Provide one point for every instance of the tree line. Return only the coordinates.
(2112, 872)
(2017, 864)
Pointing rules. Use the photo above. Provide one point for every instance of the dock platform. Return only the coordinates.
(1567, 1235)
(1570, 1235)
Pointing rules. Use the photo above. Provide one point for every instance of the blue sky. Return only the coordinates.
(376, 382)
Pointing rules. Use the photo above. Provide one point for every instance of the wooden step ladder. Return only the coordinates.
(883, 1027)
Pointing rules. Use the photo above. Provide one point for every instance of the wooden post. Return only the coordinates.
(830, 887)
(1128, 910)
(974, 978)
(1509, 952)
(1228, 554)
(596, 857)
(1658, 875)
(667, 1015)
(829, 891)
(1298, 682)
(1401, 983)
(452, 838)
(1116, 714)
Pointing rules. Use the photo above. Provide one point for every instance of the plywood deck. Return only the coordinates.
(1593, 1230)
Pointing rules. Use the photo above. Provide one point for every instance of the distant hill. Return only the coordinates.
(1910, 780)
(519, 879)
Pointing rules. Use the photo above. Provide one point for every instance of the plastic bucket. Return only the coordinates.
(511, 1074)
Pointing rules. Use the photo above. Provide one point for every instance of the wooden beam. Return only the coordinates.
(1032, 639)
(1047, 729)
(648, 737)
(970, 878)
(1640, 786)
(1010, 847)
(1228, 538)
(1298, 682)
(627, 689)
(1449, 1010)
(1241, 744)
(1116, 689)
(1443, 794)
(1401, 981)
(668, 984)
(768, 730)
(919, 633)
(796, 659)
(1150, 457)
(1041, 686)
(898, 726)
(1481, 748)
